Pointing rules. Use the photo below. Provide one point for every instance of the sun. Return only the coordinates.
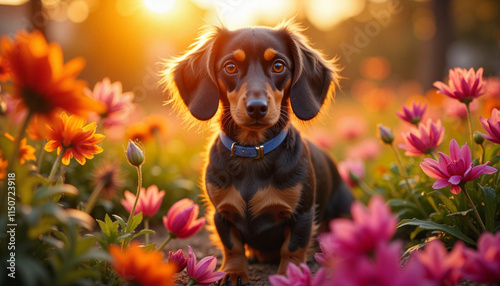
(160, 6)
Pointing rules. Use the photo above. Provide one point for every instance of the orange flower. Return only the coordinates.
(144, 268)
(26, 152)
(34, 129)
(157, 125)
(41, 78)
(4, 70)
(138, 131)
(68, 134)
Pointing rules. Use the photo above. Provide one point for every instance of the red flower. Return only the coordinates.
(492, 126)
(425, 140)
(463, 85)
(178, 260)
(181, 219)
(455, 169)
(144, 268)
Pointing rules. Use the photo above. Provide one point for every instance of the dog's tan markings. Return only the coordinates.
(269, 54)
(234, 261)
(296, 257)
(279, 203)
(227, 201)
(239, 55)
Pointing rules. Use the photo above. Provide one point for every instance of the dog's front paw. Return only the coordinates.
(234, 279)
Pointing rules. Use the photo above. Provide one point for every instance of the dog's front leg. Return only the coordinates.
(298, 238)
(234, 261)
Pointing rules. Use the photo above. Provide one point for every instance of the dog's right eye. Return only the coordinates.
(230, 68)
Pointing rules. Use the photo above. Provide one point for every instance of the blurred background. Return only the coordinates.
(391, 40)
(391, 52)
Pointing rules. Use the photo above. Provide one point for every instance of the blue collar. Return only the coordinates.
(253, 152)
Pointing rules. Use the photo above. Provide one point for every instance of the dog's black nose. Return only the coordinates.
(256, 108)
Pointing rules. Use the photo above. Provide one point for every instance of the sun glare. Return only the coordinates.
(160, 6)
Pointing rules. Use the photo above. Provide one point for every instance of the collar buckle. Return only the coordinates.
(260, 151)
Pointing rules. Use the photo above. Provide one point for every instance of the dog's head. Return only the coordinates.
(256, 73)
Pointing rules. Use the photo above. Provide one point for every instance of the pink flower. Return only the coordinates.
(382, 267)
(423, 141)
(118, 105)
(203, 273)
(463, 85)
(413, 115)
(454, 170)
(440, 266)
(299, 276)
(492, 126)
(178, 260)
(352, 171)
(368, 149)
(181, 219)
(361, 235)
(483, 265)
(351, 127)
(149, 202)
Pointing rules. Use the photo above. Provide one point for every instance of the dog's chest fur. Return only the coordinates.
(261, 197)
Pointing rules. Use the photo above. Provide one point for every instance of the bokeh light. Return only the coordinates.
(160, 6)
(377, 68)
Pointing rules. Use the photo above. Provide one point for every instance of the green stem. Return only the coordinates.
(471, 203)
(56, 165)
(366, 188)
(192, 282)
(17, 142)
(470, 123)
(483, 154)
(41, 157)
(169, 238)
(93, 197)
(434, 156)
(146, 226)
(139, 186)
(408, 186)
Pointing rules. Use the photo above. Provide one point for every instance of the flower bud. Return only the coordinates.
(385, 134)
(135, 154)
(478, 138)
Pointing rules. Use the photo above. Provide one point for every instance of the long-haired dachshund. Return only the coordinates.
(268, 188)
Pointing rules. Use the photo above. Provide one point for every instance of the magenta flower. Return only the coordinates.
(299, 276)
(455, 169)
(352, 171)
(423, 141)
(463, 85)
(483, 265)
(382, 267)
(178, 260)
(181, 220)
(352, 238)
(413, 115)
(149, 202)
(202, 273)
(440, 266)
(119, 105)
(492, 126)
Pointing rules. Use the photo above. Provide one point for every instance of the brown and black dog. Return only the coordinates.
(268, 188)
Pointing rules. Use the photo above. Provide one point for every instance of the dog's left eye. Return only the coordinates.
(230, 68)
(278, 66)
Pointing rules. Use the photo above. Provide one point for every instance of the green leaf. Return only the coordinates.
(121, 221)
(135, 221)
(143, 232)
(400, 203)
(429, 225)
(450, 204)
(490, 206)
(46, 192)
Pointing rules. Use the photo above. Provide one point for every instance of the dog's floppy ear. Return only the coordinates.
(191, 79)
(314, 78)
